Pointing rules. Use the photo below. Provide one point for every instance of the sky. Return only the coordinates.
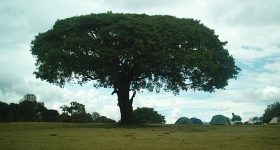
(251, 27)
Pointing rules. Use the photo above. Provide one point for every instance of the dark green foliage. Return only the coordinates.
(29, 109)
(29, 97)
(129, 52)
(97, 118)
(219, 120)
(270, 112)
(64, 117)
(50, 115)
(148, 115)
(236, 119)
(184, 121)
(14, 112)
(257, 123)
(83, 117)
(256, 120)
(162, 49)
(103, 119)
(196, 121)
(95, 115)
(75, 113)
(238, 123)
(74, 108)
(4, 112)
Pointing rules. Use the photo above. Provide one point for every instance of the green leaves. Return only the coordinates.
(153, 52)
(148, 115)
(272, 110)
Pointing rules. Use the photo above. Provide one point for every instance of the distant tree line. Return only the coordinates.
(76, 113)
(29, 109)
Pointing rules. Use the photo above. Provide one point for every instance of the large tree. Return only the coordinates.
(29, 109)
(270, 112)
(129, 52)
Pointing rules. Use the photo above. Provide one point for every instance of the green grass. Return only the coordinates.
(51, 136)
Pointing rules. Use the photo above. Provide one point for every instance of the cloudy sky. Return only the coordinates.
(251, 27)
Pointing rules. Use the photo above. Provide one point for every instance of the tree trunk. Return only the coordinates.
(125, 103)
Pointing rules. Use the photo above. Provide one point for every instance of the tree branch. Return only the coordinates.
(132, 97)
(115, 91)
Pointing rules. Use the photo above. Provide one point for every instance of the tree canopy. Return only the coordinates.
(236, 118)
(129, 52)
(28, 109)
(148, 115)
(76, 112)
(4, 112)
(270, 112)
(95, 115)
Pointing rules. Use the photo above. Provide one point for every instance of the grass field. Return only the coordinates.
(60, 136)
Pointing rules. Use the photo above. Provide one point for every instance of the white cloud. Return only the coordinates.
(268, 93)
(245, 12)
(176, 113)
(273, 67)
(250, 44)
(111, 111)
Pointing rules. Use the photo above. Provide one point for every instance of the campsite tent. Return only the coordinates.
(219, 120)
(196, 121)
(275, 120)
(184, 121)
